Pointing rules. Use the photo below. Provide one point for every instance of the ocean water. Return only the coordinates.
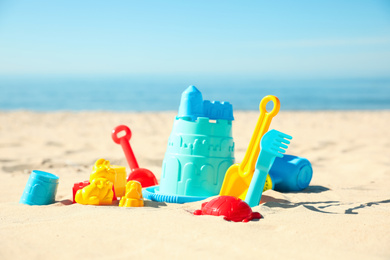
(148, 93)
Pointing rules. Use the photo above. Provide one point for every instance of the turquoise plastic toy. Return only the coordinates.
(273, 144)
(41, 189)
(193, 106)
(151, 194)
(200, 150)
(290, 173)
(197, 157)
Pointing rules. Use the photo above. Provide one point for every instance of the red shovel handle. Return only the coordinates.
(124, 142)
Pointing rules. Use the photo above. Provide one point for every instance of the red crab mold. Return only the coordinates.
(233, 209)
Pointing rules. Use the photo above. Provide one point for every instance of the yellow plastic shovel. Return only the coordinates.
(238, 177)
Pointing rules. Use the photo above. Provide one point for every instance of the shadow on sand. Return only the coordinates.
(317, 206)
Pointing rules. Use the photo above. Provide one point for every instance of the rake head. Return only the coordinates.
(275, 142)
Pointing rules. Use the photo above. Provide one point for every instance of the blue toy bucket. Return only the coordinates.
(41, 189)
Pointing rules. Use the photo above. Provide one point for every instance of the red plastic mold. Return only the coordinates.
(232, 208)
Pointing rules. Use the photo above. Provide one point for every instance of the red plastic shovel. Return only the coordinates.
(144, 176)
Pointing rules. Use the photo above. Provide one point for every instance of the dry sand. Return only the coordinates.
(344, 214)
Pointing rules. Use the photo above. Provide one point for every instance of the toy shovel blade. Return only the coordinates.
(234, 184)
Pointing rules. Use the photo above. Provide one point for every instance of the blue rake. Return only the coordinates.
(273, 144)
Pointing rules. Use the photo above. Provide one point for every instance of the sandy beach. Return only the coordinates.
(343, 214)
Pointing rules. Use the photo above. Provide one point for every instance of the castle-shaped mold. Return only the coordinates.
(200, 148)
(193, 106)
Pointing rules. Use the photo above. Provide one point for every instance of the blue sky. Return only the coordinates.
(266, 39)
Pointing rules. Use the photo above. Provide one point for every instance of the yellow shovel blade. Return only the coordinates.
(234, 184)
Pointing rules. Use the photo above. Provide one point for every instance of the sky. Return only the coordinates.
(265, 39)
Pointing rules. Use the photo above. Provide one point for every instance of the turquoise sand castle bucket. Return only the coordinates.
(200, 150)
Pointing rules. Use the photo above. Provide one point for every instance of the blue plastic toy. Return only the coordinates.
(273, 144)
(200, 150)
(151, 194)
(193, 106)
(290, 173)
(41, 189)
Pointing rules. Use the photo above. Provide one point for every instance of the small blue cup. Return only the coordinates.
(290, 173)
(41, 189)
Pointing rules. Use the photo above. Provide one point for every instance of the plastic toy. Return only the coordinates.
(200, 150)
(78, 186)
(102, 169)
(273, 144)
(239, 176)
(133, 197)
(290, 173)
(120, 180)
(193, 106)
(99, 192)
(144, 176)
(81, 185)
(153, 193)
(197, 157)
(115, 174)
(233, 209)
(41, 188)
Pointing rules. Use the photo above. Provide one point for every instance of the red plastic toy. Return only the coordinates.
(232, 208)
(80, 185)
(144, 176)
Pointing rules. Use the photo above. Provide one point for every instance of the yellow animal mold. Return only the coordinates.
(114, 173)
(133, 197)
(99, 192)
(102, 169)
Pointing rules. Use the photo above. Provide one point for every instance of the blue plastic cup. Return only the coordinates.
(41, 189)
(291, 173)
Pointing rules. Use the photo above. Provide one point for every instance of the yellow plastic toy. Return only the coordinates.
(102, 169)
(99, 192)
(238, 177)
(120, 180)
(114, 173)
(133, 197)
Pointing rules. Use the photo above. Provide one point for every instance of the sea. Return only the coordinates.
(162, 93)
